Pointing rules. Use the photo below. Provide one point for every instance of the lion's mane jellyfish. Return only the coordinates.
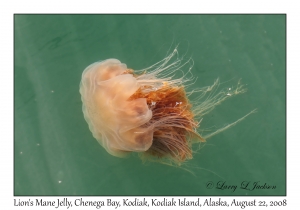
(148, 111)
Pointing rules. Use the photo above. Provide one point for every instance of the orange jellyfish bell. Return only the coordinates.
(115, 121)
(147, 111)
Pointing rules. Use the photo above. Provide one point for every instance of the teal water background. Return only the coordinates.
(56, 154)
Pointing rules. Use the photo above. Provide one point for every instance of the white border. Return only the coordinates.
(8, 8)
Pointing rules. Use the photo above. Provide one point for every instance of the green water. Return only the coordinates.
(56, 154)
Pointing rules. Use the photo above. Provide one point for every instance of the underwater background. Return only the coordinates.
(54, 150)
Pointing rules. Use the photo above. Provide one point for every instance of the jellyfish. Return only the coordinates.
(149, 111)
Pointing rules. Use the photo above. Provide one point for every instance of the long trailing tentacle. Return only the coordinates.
(176, 119)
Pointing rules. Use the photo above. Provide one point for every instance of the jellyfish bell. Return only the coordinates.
(114, 120)
(147, 111)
